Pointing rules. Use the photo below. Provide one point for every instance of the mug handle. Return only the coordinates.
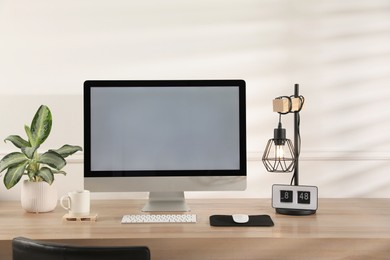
(62, 202)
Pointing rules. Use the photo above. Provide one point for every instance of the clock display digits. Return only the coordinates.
(286, 196)
(304, 197)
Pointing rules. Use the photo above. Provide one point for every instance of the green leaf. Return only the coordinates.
(67, 150)
(41, 125)
(52, 159)
(14, 174)
(46, 174)
(29, 134)
(58, 172)
(31, 175)
(17, 141)
(11, 160)
(29, 151)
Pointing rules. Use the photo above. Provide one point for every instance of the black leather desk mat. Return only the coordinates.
(254, 221)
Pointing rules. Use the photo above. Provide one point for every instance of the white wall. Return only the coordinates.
(339, 52)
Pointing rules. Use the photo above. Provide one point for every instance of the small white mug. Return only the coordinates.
(78, 202)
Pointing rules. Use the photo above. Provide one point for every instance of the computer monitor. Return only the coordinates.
(164, 137)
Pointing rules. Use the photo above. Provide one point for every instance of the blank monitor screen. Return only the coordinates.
(152, 128)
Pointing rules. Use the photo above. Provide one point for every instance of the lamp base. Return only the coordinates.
(295, 212)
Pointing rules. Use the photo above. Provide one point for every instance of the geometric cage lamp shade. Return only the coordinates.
(279, 153)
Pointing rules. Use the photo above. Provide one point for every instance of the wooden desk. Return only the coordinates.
(341, 229)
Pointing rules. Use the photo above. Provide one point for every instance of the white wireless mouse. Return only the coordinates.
(240, 218)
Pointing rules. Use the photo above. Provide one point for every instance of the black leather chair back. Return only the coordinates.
(28, 249)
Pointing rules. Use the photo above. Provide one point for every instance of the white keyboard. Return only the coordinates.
(159, 218)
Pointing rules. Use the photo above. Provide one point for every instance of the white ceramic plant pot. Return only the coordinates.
(38, 196)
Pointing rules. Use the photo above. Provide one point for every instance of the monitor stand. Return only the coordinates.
(166, 201)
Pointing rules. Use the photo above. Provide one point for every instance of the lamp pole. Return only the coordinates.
(296, 138)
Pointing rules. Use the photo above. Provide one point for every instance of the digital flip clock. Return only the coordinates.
(295, 198)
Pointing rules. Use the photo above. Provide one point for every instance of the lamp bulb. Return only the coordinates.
(280, 151)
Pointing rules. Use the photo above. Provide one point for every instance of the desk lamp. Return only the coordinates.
(281, 155)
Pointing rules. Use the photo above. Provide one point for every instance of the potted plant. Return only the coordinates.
(38, 194)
